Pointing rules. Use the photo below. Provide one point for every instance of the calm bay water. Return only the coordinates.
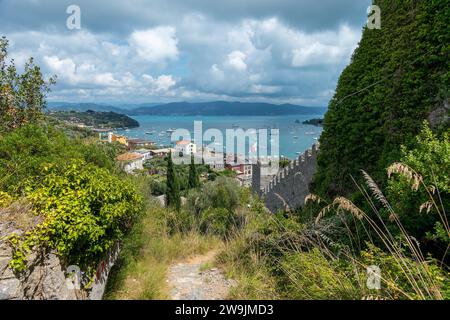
(294, 137)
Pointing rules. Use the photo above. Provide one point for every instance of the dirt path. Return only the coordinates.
(188, 281)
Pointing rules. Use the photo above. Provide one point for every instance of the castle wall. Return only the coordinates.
(289, 187)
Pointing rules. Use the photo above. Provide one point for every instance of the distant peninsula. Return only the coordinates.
(90, 118)
(314, 122)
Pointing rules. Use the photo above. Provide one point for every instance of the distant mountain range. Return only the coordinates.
(215, 108)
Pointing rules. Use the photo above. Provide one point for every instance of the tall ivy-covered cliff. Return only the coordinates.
(398, 76)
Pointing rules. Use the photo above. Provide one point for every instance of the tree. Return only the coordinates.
(173, 188)
(22, 96)
(194, 181)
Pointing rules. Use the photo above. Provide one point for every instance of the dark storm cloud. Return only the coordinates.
(277, 50)
(123, 16)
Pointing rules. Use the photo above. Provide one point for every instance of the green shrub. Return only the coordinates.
(5, 199)
(220, 193)
(310, 275)
(407, 279)
(85, 210)
(181, 221)
(430, 158)
(158, 187)
(26, 151)
(218, 221)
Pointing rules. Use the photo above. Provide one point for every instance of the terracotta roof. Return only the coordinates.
(183, 143)
(129, 156)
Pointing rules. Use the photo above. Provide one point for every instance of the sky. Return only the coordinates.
(154, 51)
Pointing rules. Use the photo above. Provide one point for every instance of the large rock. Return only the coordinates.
(43, 279)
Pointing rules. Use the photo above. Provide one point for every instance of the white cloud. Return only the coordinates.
(155, 45)
(324, 48)
(64, 68)
(236, 60)
(161, 84)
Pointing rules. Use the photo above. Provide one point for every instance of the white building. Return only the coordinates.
(146, 153)
(186, 147)
(131, 161)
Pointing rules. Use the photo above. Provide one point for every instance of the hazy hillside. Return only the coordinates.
(215, 108)
(223, 108)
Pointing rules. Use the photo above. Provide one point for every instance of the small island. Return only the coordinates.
(314, 122)
(96, 119)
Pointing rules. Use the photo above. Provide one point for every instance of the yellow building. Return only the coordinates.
(120, 139)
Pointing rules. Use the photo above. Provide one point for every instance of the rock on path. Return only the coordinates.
(187, 282)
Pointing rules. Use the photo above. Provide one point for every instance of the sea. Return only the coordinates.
(294, 137)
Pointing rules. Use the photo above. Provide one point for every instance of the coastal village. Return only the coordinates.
(139, 153)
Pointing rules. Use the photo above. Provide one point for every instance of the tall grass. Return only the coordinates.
(303, 261)
(148, 251)
(419, 274)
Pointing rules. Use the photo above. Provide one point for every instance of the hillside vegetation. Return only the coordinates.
(96, 119)
(398, 76)
(81, 202)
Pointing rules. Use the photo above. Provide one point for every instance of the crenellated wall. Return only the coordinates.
(287, 189)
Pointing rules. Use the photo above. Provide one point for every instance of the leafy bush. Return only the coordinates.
(414, 283)
(27, 150)
(220, 193)
(182, 221)
(311, 275)
(5, 199)
(430, 159)
(158, 187)
(218, 221)
(85, 211)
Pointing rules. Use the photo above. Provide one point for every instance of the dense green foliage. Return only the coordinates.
(82, 204)
(194, 181)
(85, 211)
(22, 96)
(221, 193)
(158, 170)
(430, 159)
(96, 119)
(26, 151)
(397, 76)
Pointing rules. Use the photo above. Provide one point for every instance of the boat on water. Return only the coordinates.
(170, 130)
(295, 137)
(310, 133)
